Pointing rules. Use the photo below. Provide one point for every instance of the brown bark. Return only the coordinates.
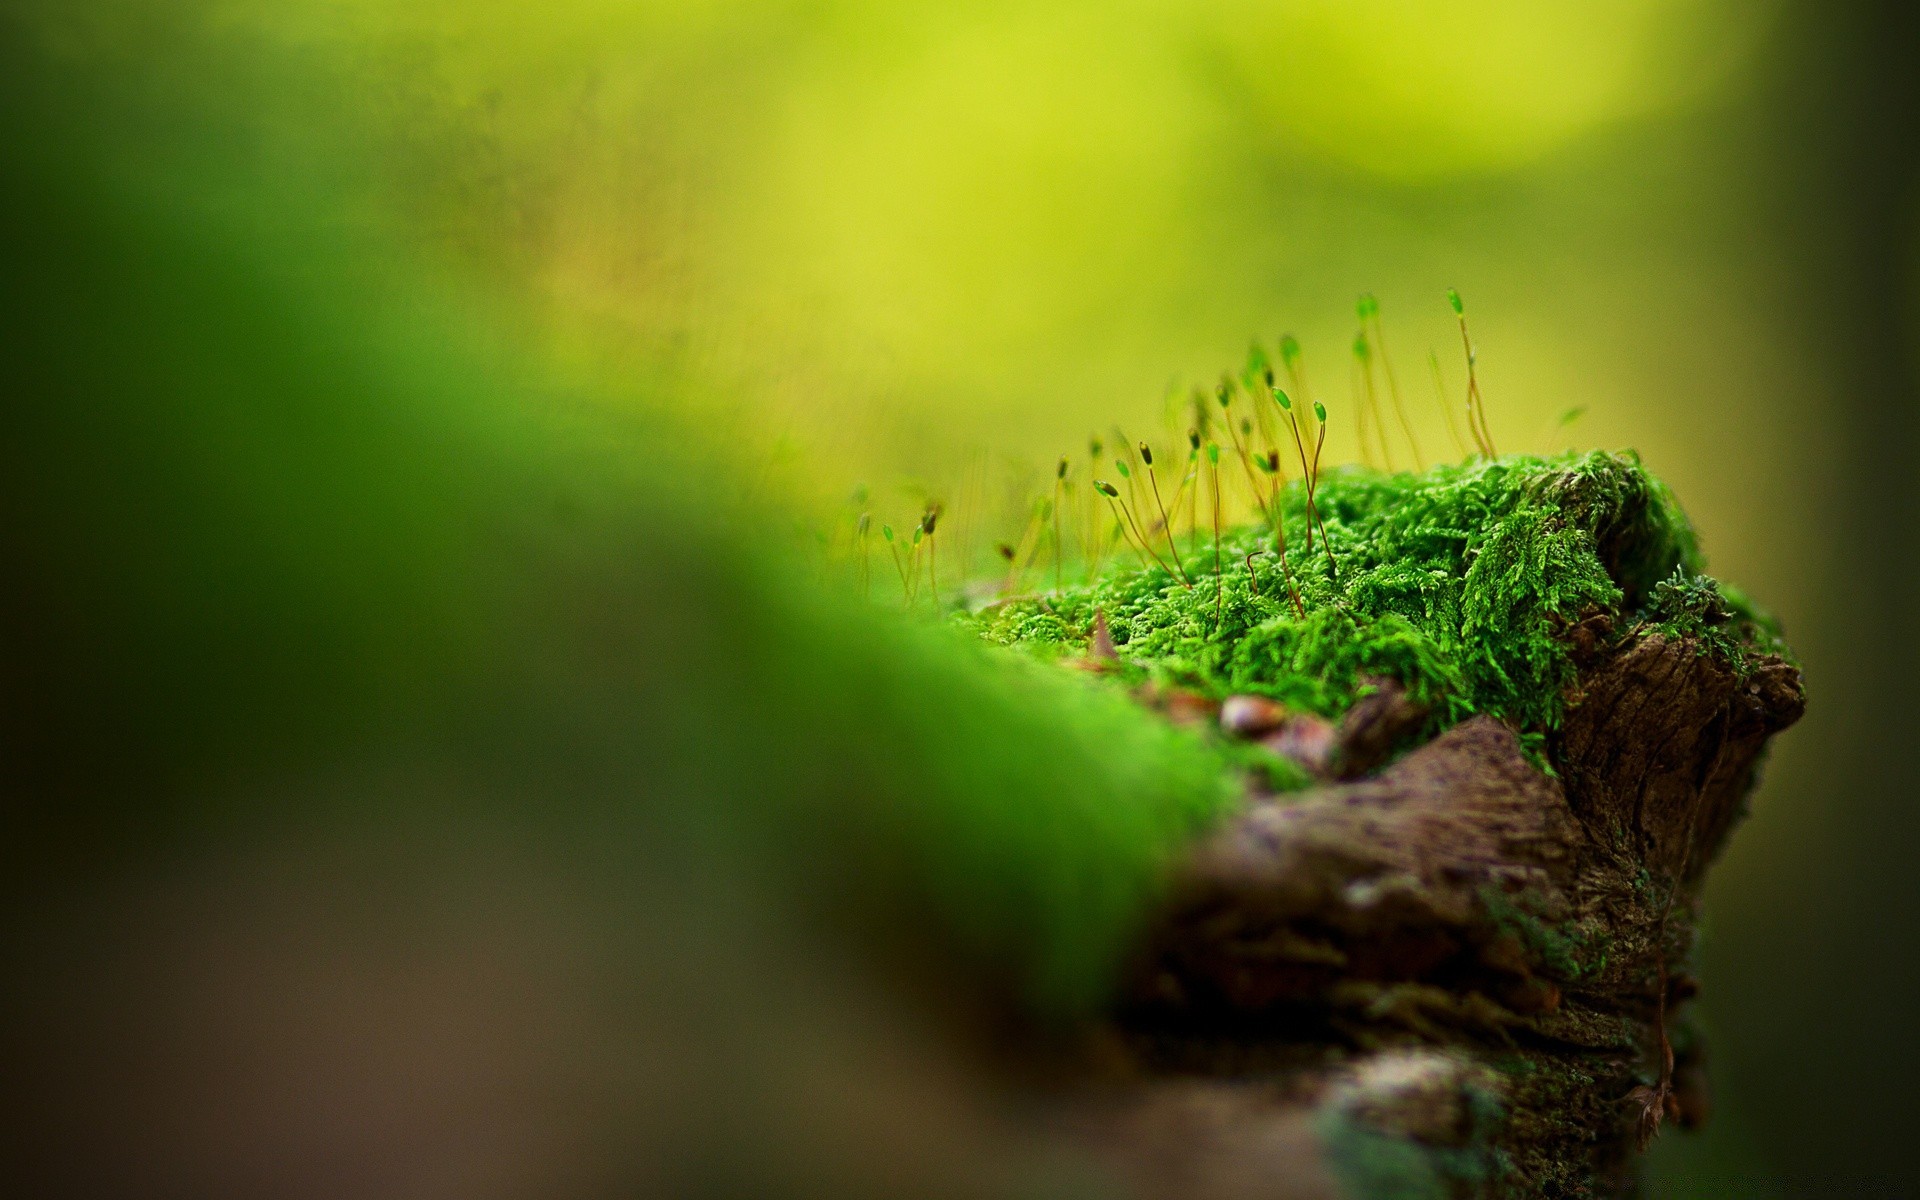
(1461, 975)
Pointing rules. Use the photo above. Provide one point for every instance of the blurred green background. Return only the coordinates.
(930, 247)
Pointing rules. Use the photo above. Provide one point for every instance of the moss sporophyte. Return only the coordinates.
(1461, 583)
(1469, 585)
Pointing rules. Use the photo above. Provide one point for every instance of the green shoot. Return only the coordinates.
(1560, 424)
(1189, 479)
(1060, 522)
(1140, 546)
(1367, 403)
(1256, 367)
(899, 564)
(1270, 463)
(1028, 548)
(928, 522)
(1320, 414)
(1267, 436)
(1093, 539)
(1224, 393)
(1440, 398)
(866, 560)
(1370, 309)
(1476, 406)
(913, 559)
(1133, 484)
(1166, 523)
(1202, 415)
(1295, 363)
(1130, 471)
(1309, 472)
(1258, 372)
(1112, 495)
(1219, 587)
(1059, 487)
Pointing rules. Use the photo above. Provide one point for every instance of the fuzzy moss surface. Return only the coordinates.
(315, 552)
(1461, 582)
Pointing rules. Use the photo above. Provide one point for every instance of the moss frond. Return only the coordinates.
(1461, 582)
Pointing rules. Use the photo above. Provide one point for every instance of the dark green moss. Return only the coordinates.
(1564, 949)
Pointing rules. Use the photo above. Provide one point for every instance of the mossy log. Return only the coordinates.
(1460, 976)
(1446, 948)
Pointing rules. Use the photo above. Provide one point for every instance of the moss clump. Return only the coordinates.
(1718, 619)
(1463, 583)
(1565, 950)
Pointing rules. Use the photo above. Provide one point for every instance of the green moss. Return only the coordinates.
(292, 526)
(1564, 949)
(1461, 583)
(1720, 620)
(1371, 1164)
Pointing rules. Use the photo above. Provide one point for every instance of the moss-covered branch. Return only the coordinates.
(1464, 974)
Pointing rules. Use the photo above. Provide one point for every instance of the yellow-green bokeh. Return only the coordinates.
(904, 232)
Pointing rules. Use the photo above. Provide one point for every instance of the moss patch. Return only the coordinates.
(1463, 583)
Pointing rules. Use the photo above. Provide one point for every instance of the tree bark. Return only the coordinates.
(1463, 975)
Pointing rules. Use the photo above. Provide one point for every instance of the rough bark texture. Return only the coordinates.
(1461, 975)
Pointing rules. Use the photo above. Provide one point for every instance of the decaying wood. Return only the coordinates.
(1462, 973)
